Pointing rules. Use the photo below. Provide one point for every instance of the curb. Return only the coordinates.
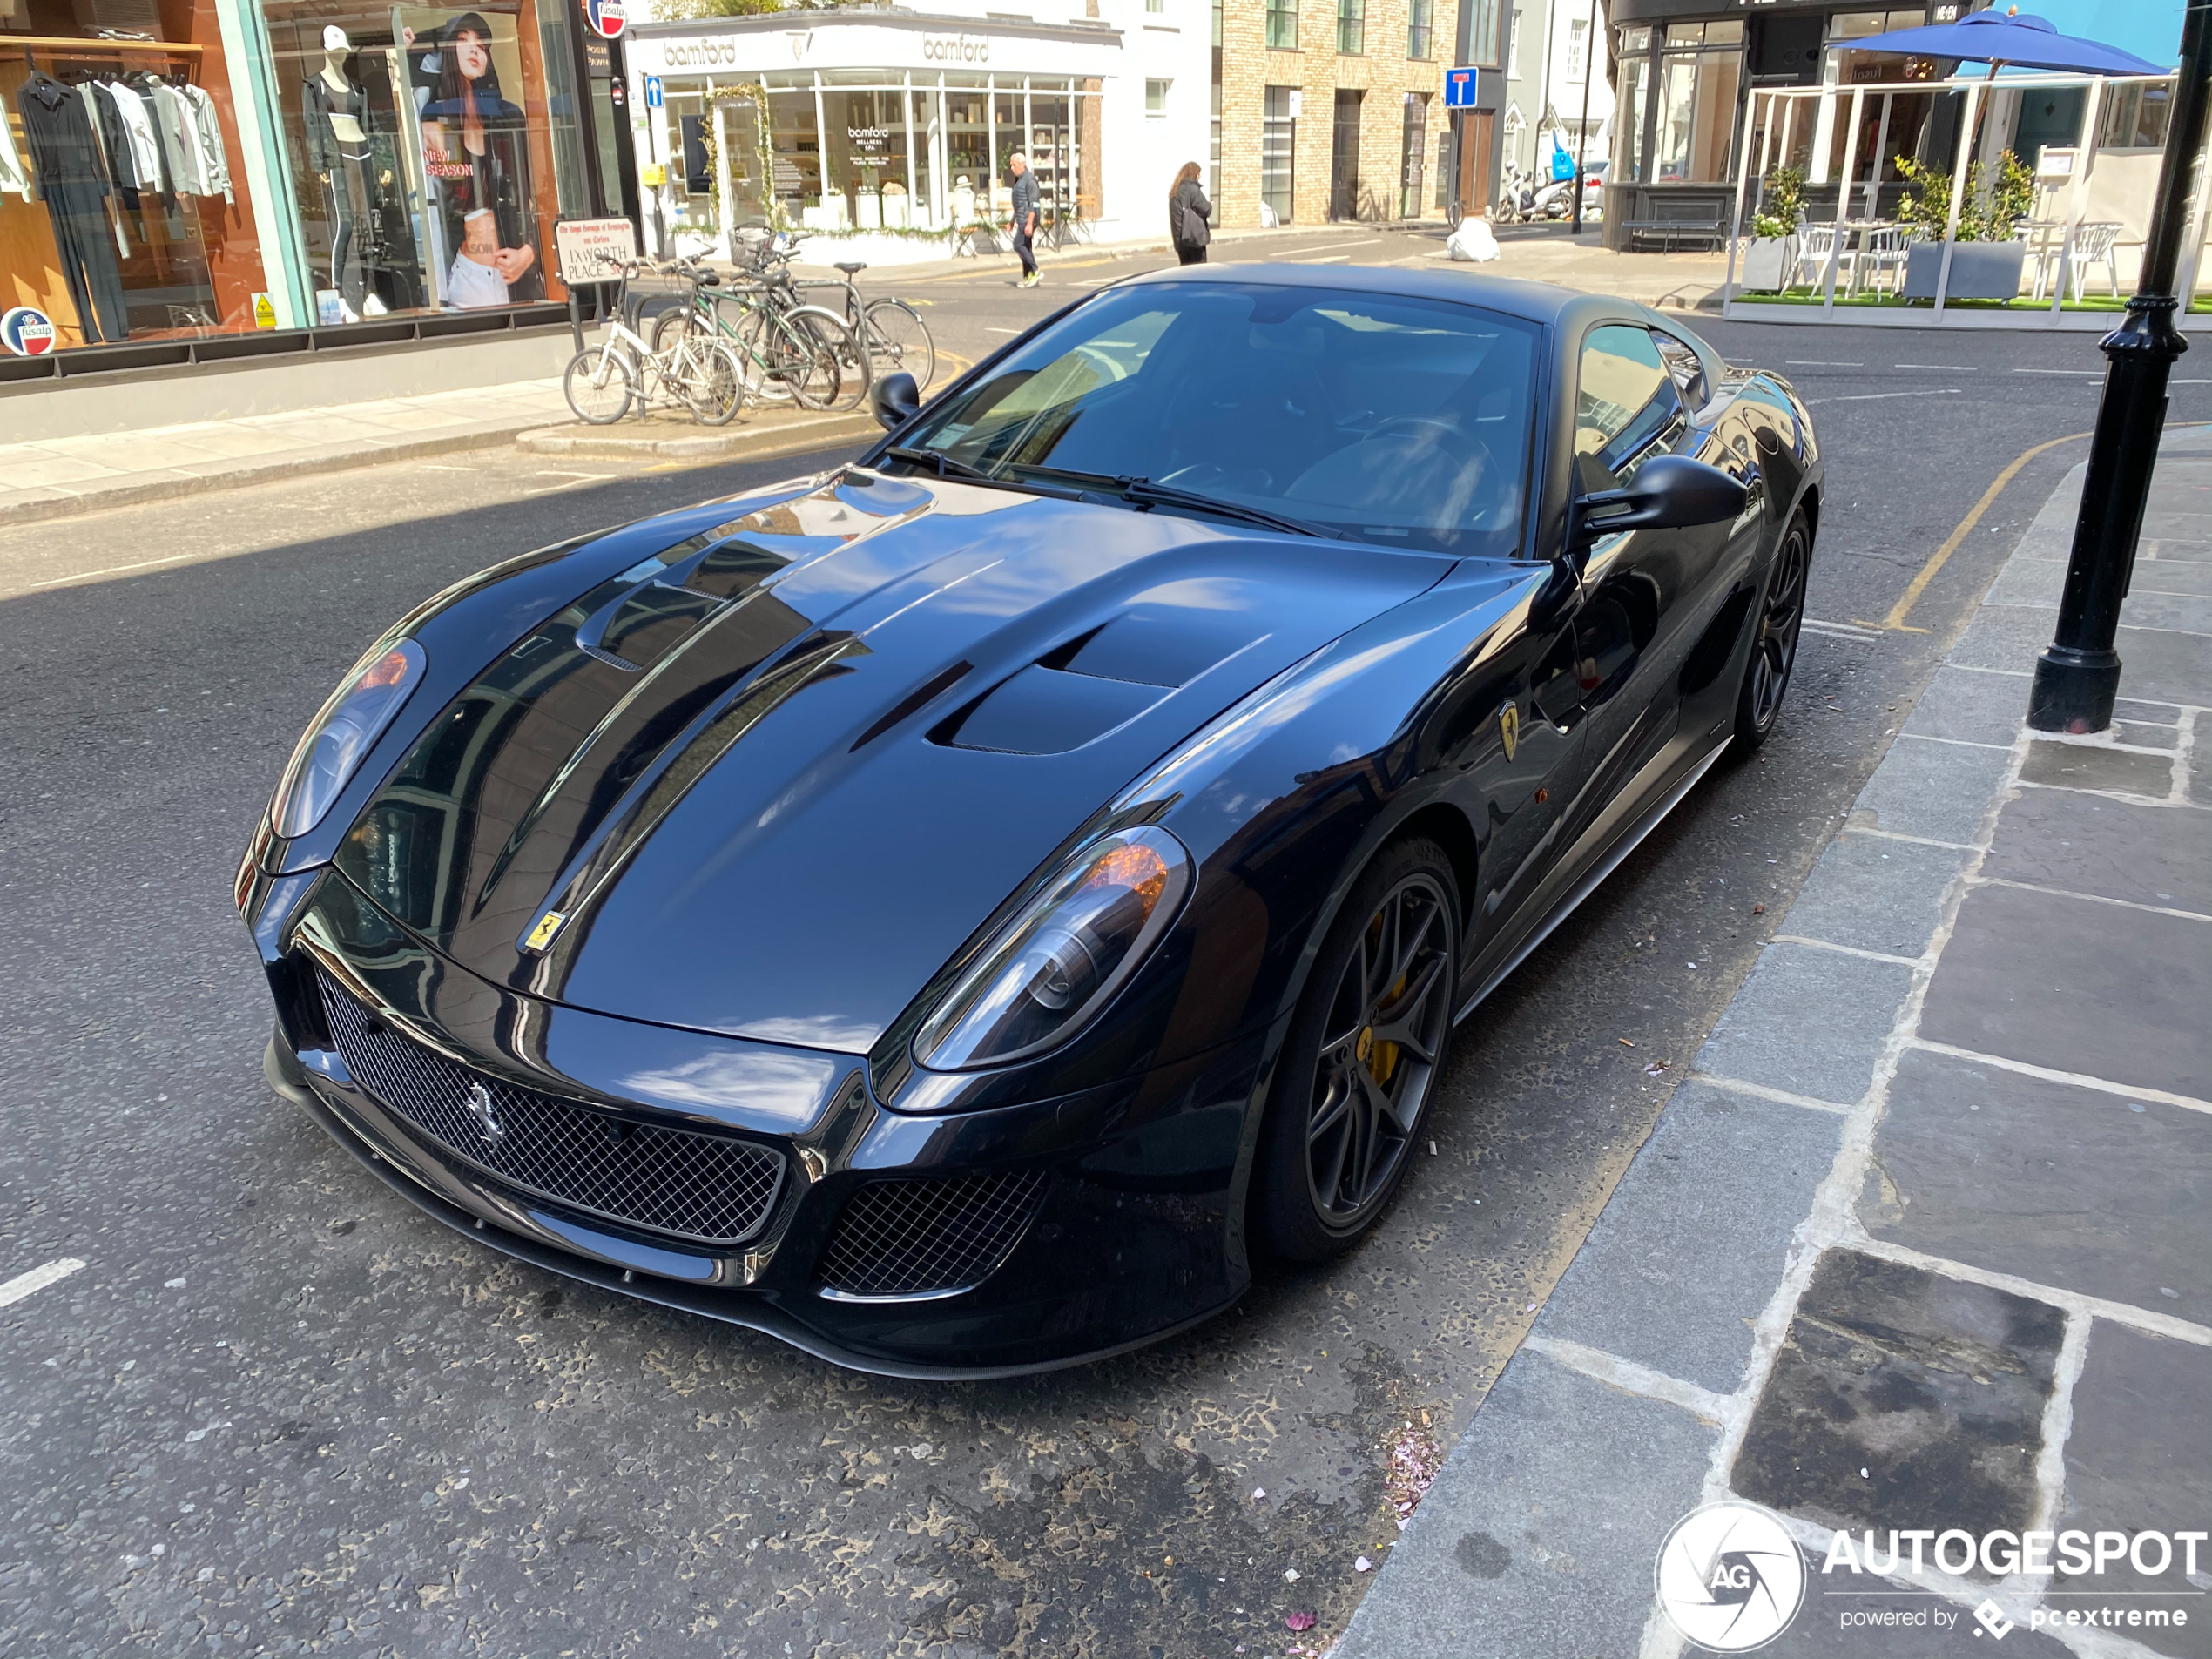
(572, 439)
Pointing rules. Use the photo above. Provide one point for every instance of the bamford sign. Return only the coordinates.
(957, 49)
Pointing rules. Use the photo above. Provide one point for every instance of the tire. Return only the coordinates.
(899, 343)
(756, 332)
(681, 319)
(599, 385)
(852, 371)
(719, 383)
(1348, 1102)
(812, 352)
(1773, 647)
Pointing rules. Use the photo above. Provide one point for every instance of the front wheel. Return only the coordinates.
(1365, 1048)
(898, 340)
(599, 385)
(1774, 648)
(716, 383)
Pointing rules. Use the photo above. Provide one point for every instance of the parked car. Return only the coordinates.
(957, 912)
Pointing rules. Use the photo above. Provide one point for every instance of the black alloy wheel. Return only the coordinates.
(1774, 650)
(1362, 1058)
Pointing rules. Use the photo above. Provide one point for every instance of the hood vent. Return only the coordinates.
(1079, 692)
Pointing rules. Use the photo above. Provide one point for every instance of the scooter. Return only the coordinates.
(1516, 197)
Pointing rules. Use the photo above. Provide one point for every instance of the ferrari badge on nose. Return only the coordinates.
(479, 1106)
(1509, 727)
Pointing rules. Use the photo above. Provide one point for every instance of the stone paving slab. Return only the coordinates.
(2077, 986)
(1808, 1021)
(2080, 766)
(2071, 1187)
(1904, 1399)
(1966, 705)
(1936, 790)
(1875, 893)
(2139, 1459)
(2145, 855)
(1547, 1507)
(1736, 1174)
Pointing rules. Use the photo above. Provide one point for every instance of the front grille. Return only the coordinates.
(701, 1187)
(910, 1238)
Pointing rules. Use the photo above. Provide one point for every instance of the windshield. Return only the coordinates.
(1387, 419)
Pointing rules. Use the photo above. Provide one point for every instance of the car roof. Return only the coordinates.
(1536, 302)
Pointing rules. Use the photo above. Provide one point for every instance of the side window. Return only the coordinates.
(1624, 397)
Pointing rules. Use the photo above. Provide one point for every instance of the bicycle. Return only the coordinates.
(892, 331)
(790, 352)
(705, 375)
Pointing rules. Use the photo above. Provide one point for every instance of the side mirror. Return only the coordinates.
(894, 399)
(1668, 492)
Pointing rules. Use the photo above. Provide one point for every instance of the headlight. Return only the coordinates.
(353, 718)
(1056, 964)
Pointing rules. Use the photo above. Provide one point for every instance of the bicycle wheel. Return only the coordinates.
(898, 339)
(812, 352)
(751, 339)
(681, 319)
(598, 385)
(852, 357)
(717, 381)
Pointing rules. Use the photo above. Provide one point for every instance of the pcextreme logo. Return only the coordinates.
(1729, 1576)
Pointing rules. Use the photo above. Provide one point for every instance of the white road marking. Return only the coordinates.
(1323, 259)
(1948, 368)
(1001, 331)
(2058, 371)
(37, 1279)
(1840, 629)
(113, 569)
(1876, 397)
(1816, 363)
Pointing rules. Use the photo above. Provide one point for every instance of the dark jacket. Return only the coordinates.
(1025, 196)
(1187, 211)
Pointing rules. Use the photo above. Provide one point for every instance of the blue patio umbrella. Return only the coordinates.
(1994, 37)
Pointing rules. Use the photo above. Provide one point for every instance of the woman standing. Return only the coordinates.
(479, 153)
(1187, 211)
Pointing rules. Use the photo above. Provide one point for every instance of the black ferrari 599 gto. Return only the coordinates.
(955, 913)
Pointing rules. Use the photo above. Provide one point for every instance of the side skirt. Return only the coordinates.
(1628, 840)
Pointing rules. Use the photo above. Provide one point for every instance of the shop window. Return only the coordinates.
(1627, 132)
(1696, 107)
(1156, 97)
(1278, 152)
(1421, 32)
(124, 208)
(1352, 27)
(1282, 24)
(429, 166)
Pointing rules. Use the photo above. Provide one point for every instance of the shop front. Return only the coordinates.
(887, 136)
(184, 180)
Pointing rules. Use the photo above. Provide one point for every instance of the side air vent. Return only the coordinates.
(928, 1237)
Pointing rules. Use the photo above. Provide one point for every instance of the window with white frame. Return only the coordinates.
(1156, 97)
(1513, 50)
(1578, 47)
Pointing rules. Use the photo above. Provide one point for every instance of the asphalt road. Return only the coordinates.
(277, 1410)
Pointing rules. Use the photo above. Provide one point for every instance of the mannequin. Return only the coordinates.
(338, 150)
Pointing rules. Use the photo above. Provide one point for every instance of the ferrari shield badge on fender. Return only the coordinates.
(550, 923)
(1509, 727)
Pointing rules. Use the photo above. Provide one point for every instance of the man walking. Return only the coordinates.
(1025, 217)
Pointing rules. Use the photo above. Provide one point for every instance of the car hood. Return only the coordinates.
(767, 781)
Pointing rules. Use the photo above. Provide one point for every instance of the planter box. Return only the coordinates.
(1979, 270)
(1767, 263)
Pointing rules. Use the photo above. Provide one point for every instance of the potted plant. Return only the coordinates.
(1773, 253)
(1985, 259)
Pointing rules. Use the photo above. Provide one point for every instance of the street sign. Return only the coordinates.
(605, 16)
(594, 250)
(1458, 87)
(654, 96)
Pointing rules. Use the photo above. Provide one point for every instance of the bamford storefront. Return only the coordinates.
(886, 134)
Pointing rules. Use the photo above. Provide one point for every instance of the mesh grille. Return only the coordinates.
(905, 1237)
(702, 1187)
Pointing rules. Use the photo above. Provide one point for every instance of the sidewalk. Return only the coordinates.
(61, 476)
(1923, 1239)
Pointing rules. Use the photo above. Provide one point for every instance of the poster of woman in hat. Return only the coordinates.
(476, 155)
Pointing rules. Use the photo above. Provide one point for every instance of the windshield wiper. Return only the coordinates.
(1147, 493)
(945, 466)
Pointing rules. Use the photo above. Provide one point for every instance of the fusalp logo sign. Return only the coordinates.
(606, 17)
(27, 331)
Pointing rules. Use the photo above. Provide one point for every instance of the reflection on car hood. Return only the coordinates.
(768, 781)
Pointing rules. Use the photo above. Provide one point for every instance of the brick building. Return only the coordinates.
(1334, 109)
